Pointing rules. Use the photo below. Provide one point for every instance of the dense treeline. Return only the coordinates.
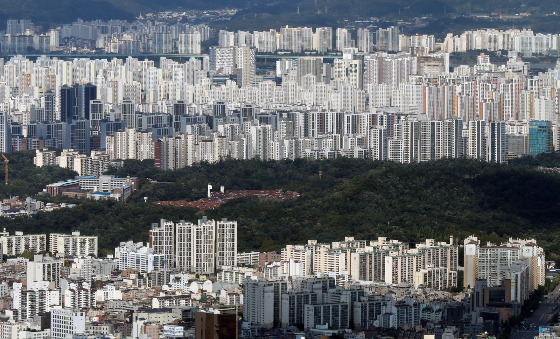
(190, 183)
(351, 197)
(25, 179)
(111, 221)
(413, 202)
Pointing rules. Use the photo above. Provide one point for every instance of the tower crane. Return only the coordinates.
(6, 161)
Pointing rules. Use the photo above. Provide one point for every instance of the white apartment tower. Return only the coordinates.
(476, 143)
(226, 243)
(38, 301)
(453, 138)
(18, 243)
(491, 262)
(200, 247)
(323, 40)
(195, 246)
(65, 322)
(497, 142)
(135, 256)
(246, 66)
(162, 241)
(43, 271)
(205, 246)
(343, 39)
(44, 157)
(74, 244)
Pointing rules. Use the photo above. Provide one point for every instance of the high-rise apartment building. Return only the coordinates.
(239, 60)
(492, 262)
(5, 133)
(14, 27)
(246, 66)
(130, 144)
(49, 105)
(262, 302)
(74, 101)
(96, 114)
(431, 263)
(343, 39)
(44, 157)
(453, 138)
(540, 137)
(387, 39)
(80, 135)
(366, 40)
(16, 244)
(476, 139)
(135, 256)
(323, 40)
(226, 243)
(66, 322)
(205, 246)
(337, 315)
(431, 144)
(497, 142)
(201, 247)
(128, 113)
(162, 240)
(74, 244)
(78, 295)
(195, 246)
(38, 300)
(43, 271)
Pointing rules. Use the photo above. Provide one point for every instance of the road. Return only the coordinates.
(540, 317)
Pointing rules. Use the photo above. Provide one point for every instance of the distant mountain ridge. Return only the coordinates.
(329, 12)
(264, 14)
(45, 12)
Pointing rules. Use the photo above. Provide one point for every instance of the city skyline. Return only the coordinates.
(360, 180)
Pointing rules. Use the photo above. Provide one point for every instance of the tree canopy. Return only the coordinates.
(351, 197)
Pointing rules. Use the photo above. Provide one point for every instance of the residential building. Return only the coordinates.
(493, 262)
(66, 322)
(14, 245)
(73, 245)
(540, 137)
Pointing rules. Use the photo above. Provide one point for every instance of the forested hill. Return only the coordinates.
(443, 12)
(360, 198)
(260, 14)
(53, 12)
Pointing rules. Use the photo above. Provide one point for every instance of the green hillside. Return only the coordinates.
(358, 198)
(25, 179)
